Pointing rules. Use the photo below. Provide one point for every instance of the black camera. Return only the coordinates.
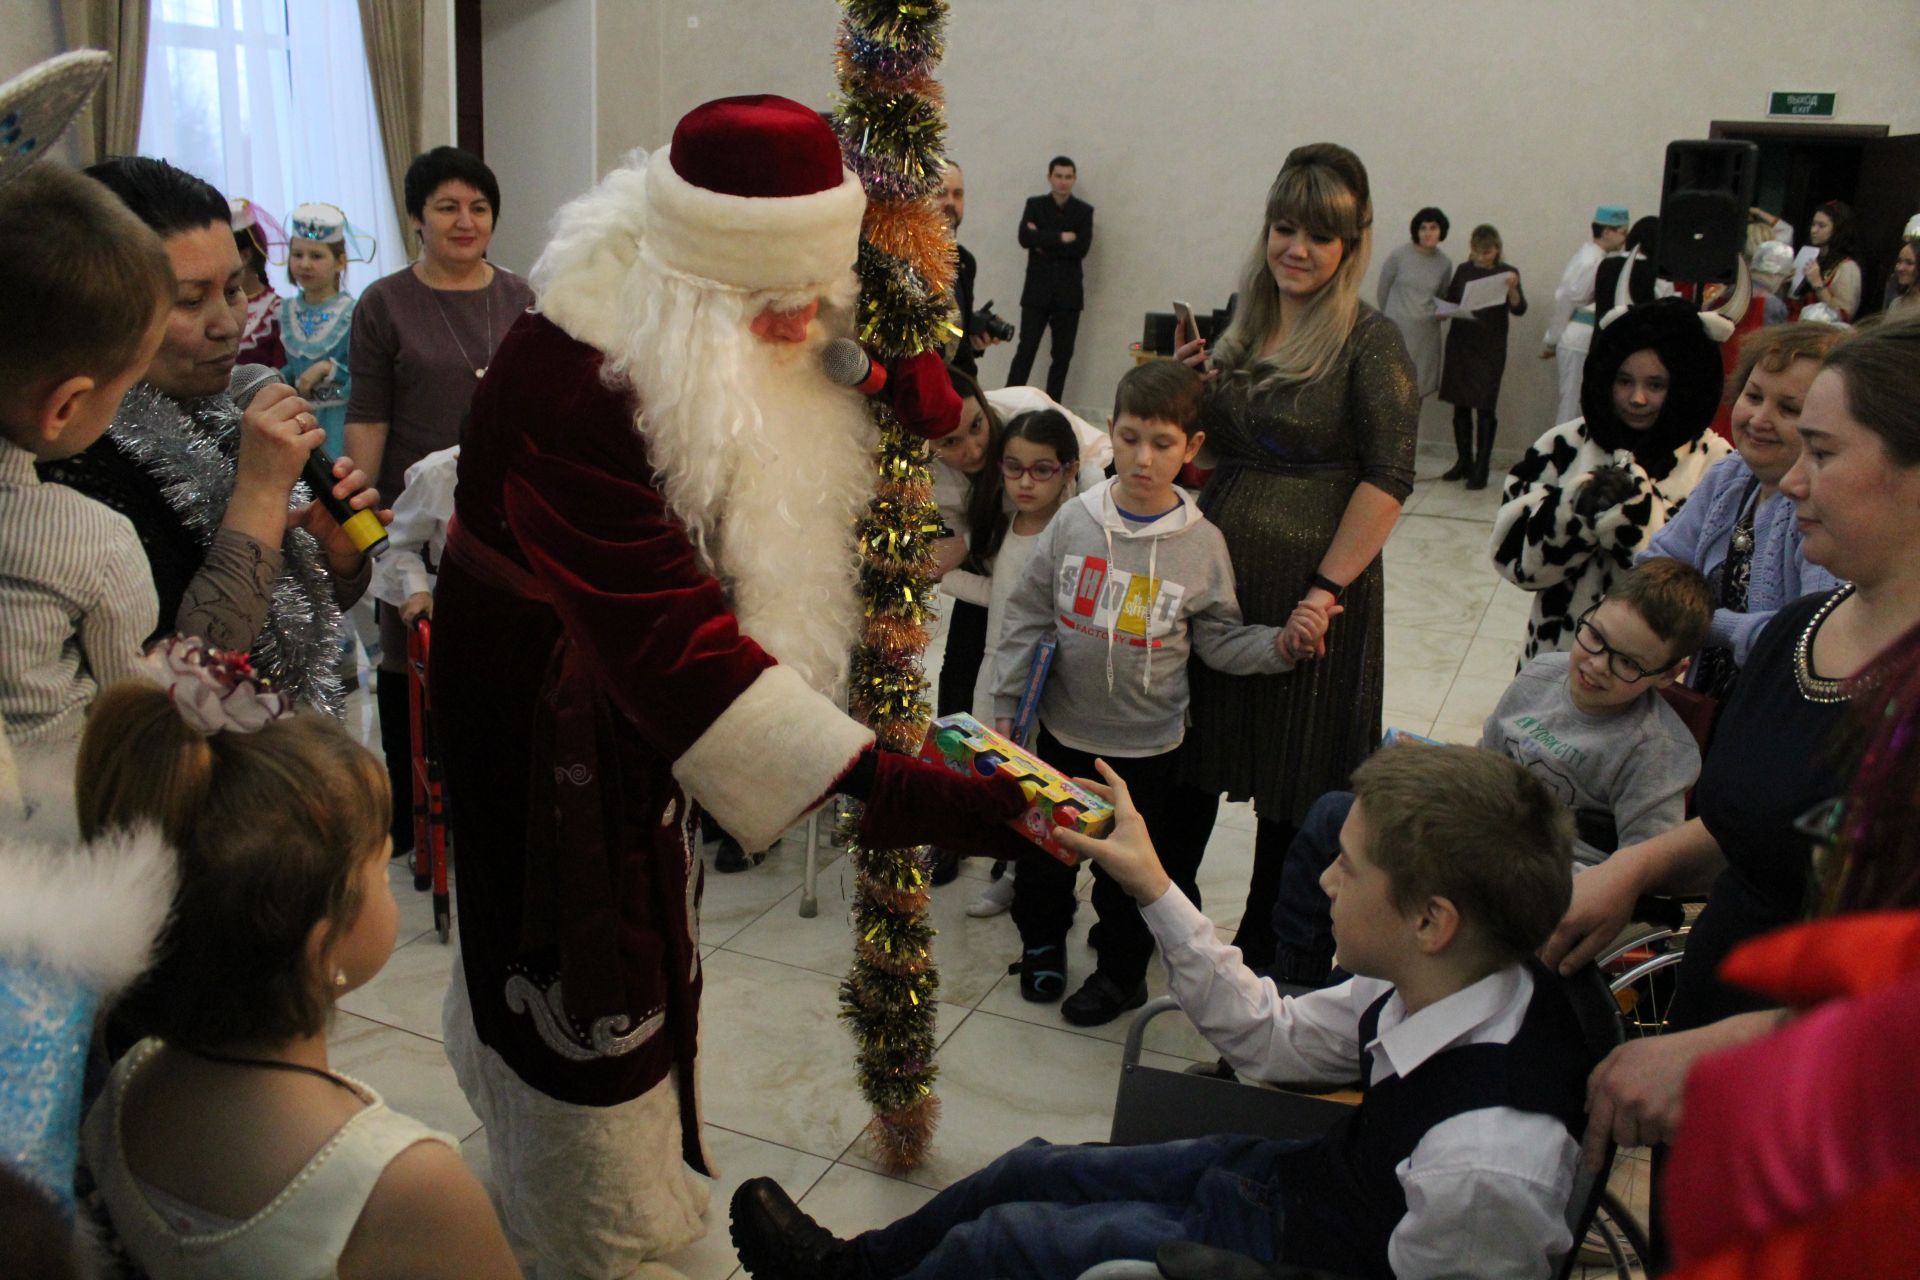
(984, 321)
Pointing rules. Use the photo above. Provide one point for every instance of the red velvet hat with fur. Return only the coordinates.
(752, 195)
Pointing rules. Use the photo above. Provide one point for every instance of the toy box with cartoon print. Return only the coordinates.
(964, 745)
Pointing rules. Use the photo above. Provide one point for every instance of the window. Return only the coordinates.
(269, 99)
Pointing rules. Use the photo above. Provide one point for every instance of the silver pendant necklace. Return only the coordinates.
(479, 371)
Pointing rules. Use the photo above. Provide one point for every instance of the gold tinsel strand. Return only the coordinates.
(891, 128)
(917, 233)
(900, 1138)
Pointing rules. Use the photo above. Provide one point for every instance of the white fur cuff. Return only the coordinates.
(770, 757)
(757, 245)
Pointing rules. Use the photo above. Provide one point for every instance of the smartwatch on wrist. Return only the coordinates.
(1327, 585)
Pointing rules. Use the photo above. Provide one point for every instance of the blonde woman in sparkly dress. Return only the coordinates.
(1312, 417)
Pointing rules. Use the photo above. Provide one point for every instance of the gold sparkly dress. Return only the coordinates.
(1289, 459)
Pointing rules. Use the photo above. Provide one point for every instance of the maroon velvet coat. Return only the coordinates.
(566, 703)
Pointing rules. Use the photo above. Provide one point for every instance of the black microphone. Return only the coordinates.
(363, 527)
(847, 363)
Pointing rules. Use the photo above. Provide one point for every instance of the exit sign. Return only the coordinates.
(1800, 104)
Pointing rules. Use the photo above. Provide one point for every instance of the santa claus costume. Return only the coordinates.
(646, 601)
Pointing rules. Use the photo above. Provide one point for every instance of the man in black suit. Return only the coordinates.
(953, 203)
(1056, 230)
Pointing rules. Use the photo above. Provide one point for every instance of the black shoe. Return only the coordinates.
(1043, 973)
(776, 1240)
(1218, 1070)
(730, 857)
(1457, 471)
(1100, 1000)
(946, 865)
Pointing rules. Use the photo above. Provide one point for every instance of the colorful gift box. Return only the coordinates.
(964, 745)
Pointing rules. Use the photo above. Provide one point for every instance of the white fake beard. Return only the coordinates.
(766, 462)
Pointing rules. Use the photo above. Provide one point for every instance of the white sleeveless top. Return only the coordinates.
(297, 1236)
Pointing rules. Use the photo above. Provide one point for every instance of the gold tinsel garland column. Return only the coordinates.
(891, 130)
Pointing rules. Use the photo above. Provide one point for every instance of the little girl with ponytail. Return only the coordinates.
(224, 1143)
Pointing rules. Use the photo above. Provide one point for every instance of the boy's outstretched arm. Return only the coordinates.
(1261, 1033)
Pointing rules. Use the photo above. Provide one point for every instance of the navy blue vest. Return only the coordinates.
(1342, 1200)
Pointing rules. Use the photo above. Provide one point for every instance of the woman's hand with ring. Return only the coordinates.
(277, 432)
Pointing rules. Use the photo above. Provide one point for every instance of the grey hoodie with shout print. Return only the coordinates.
(1130, 602)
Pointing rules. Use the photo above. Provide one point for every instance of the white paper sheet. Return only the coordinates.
(1488, 291)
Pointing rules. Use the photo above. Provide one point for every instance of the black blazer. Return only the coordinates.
(1053, 268)
(963, 356)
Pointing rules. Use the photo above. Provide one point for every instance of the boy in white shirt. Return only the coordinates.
(1455, 866)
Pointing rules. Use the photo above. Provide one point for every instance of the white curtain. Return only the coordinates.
(270, 99)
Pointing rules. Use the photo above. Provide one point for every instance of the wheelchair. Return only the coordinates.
(1157, 1105)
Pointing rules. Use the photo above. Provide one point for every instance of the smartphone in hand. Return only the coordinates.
(1186, 328)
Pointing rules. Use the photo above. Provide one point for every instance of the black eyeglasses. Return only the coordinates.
(1043, 470)
(1625, 669)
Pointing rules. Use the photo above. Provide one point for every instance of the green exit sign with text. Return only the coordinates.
(1800, 104)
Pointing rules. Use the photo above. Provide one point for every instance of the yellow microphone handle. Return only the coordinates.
(368, 534)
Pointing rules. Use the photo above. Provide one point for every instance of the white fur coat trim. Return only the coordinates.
(92, 912)
(753, 244)
(770, 757)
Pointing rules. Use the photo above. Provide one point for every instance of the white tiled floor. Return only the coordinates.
(777, 1066)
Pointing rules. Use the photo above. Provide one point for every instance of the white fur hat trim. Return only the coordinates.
(757, 244)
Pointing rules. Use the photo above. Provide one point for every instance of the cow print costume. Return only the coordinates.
(1569, 559)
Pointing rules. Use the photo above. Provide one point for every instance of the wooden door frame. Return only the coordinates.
(469, 99)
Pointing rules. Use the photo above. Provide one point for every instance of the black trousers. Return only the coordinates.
(960, 664)
(1189, 825)
(396, 744)
(1065, 326)
(1043, 901)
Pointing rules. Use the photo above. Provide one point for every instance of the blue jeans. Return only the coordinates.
(1302, 914)
(1044, 1212)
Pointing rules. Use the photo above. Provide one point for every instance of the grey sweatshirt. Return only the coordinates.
(1625, 776)
(1129, 605)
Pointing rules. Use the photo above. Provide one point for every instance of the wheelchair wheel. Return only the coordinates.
(1641, 974)
(1618, 1235)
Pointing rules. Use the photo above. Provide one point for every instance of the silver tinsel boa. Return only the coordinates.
(190, 449)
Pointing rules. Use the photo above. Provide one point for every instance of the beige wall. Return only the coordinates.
(537, 70)
(1517, 112)
(1524, 113)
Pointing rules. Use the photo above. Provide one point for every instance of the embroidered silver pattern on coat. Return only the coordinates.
(607, 1038)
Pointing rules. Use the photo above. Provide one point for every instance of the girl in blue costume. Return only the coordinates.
(316, 322)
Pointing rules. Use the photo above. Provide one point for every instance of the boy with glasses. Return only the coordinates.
(1590, 723)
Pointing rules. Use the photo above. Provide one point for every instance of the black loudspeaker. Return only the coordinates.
(1157, 337)
(1704, 202)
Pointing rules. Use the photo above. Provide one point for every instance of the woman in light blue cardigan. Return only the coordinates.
(1737, 527)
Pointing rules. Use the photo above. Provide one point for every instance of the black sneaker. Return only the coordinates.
(945, 865)
(1043, 973)
(730, 857)
(777, 1241)
(1100, 1000)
